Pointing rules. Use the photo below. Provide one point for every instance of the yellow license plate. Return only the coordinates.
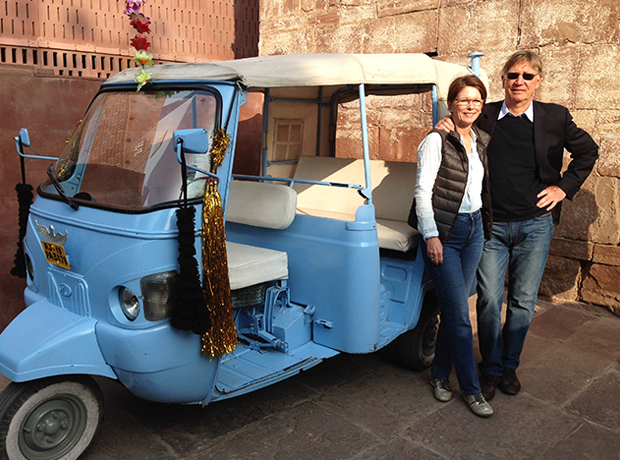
(55, 254)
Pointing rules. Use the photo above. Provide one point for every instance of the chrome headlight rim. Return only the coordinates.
(129, 303)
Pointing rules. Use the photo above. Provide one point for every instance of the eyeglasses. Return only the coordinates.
(465, 102)
(515, 75)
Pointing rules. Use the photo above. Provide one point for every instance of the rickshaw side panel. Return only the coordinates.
(403, 278)
(57, 342)
(160, 364)
(333, 266)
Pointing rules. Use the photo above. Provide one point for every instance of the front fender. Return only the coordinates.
(46, 340)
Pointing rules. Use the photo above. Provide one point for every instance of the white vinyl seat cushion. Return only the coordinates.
(261, 204)
(250, 265)
(396, 235)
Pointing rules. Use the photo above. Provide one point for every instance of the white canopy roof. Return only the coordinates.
(302, 70)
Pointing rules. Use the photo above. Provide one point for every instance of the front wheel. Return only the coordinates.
(50, 418)
(416, 348)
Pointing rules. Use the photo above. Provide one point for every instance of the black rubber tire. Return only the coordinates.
(416, 348)
(49, 419)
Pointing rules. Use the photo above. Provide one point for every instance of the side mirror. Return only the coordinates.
(23, 140)
(24, 137)
(194, 140)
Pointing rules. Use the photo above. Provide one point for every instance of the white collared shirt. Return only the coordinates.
(529, 112)
(429, 161)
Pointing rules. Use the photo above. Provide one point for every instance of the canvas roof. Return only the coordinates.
(304, 70)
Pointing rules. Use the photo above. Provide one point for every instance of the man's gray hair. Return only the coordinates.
(523, 55)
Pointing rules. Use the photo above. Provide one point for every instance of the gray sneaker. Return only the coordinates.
(442, 391)
(478, 405)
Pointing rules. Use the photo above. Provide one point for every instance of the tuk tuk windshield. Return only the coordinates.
(122, 155)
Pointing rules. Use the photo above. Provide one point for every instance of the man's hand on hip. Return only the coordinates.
(550, 196)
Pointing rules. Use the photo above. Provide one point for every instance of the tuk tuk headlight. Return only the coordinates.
(158, 295)
(129, 303)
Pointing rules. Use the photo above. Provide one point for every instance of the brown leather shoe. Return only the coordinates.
(509, 383)
(488, 384)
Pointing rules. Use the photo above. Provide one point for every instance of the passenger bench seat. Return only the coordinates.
(261, 205)
(393, 184)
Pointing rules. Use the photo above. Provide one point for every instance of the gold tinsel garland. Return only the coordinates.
(222, 338)
(221, 141)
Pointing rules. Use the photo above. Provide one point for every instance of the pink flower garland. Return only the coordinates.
(140, 42)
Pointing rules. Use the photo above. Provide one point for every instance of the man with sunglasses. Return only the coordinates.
(525, 156)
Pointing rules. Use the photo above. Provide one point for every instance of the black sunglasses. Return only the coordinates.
(515, 75)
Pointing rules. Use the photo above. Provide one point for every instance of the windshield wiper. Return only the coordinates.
(51, 173)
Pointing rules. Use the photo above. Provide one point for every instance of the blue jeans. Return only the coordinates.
(522, 249)
(453, 280)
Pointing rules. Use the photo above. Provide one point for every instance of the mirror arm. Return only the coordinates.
(20, 151)
(189, 166)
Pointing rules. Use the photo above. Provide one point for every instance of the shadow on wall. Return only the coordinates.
(393, 196)
(570, 255)
(248, 150)
(246, 30)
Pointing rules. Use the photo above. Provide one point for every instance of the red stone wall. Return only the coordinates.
(91, 38)
(50, 108)
(579, 42)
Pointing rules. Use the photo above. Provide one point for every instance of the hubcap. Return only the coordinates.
(52, 428)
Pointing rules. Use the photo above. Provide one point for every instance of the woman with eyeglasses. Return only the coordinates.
(453, 215)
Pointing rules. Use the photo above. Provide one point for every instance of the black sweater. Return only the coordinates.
(515, 181)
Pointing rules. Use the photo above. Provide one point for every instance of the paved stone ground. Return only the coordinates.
(359, 407)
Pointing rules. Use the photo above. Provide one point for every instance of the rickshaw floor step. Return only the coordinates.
(247, 369)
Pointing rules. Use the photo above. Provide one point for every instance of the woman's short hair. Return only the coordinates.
(459, 83)
(523, 55)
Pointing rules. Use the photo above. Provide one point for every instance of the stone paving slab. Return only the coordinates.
(520, 427)
(399, 448)
(191, 428)
(558, 323)
(304, 432)
(600, 402)
(383, 403)
(582, 350)
(587, 442)
(366, 407)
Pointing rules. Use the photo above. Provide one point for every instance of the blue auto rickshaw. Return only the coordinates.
(315, 254)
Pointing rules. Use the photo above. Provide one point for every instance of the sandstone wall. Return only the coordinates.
(579, 42)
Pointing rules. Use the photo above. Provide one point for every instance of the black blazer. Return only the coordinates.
(554, 131)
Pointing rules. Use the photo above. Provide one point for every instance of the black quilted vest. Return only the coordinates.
(451, 181)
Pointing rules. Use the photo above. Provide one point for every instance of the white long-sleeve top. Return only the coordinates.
(429, 161)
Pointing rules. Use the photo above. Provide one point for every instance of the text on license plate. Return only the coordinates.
(55, 254)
